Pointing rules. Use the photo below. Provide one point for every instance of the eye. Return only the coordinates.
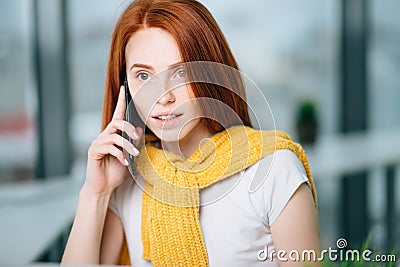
(180, 73)
(143, 76)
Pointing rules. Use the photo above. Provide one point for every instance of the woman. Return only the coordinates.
(170, 224)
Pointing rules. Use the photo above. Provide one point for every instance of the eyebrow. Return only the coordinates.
(149, 67)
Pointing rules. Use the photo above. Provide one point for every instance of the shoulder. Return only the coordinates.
(274, 179)
(282, 163)
(287, 158)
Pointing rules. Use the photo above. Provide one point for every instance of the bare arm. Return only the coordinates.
(113, 237)
(84, 242)
(296, 228)
(97, 233)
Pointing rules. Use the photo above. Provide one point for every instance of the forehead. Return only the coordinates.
(152, 46)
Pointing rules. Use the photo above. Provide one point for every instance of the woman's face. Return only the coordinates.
(152, 66)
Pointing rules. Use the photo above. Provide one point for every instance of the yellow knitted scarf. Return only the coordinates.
(171, 232)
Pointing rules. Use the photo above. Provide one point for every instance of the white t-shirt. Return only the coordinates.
(235, 217)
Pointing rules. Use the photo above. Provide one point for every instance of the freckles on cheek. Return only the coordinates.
(197, 107)
(194, 101)
(144, 104)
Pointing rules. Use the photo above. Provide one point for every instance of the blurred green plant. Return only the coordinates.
(307, 111)
(307, 125)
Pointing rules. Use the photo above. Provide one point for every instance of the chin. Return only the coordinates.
(178, 133)
(170, 135)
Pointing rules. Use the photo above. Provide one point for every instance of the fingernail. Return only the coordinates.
(136, 135)
(126, 162)
(135, 151)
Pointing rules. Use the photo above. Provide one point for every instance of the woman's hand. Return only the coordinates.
(106, 166)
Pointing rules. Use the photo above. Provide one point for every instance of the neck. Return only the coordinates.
(186, 146)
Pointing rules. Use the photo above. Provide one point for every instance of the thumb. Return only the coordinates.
(119, 112)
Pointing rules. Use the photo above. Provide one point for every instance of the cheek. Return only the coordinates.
(197, 110)
(144, 103)
(191, 100)
(143, 108)
(195, 107)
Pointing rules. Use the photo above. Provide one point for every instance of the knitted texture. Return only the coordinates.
(124, 258)
(171, 232)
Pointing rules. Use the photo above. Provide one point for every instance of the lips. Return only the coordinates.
(167, 117)
(167, 120)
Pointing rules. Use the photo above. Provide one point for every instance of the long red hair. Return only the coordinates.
(199, 38)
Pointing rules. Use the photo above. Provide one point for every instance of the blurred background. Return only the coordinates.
(328, 68)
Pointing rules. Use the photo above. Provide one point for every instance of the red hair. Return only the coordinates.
(199, 38)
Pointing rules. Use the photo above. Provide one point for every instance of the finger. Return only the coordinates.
(115, 139)
(139, 131)
(121, 125)
(114, 151)
(119, 112)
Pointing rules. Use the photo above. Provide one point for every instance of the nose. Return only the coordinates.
(167, 98)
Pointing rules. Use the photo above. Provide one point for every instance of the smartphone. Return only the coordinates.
(128, 97)
(128, 118)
